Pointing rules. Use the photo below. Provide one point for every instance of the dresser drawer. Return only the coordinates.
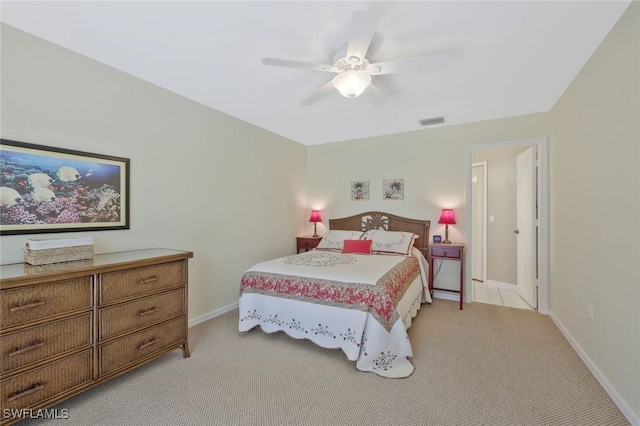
(132, 282)
(449, 252)
(38, 343)
(26, 304)
(33, 387)
(137, 313)
(128, 350)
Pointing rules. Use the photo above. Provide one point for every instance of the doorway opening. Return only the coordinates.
(507, 246)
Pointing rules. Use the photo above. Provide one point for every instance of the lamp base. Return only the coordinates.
(446, 235)
(315, 231)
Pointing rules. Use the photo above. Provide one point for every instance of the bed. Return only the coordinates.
(357, 291)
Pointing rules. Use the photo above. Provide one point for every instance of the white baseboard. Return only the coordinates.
(500, 285)
(212, 314)
(617, 399)
(445, 295)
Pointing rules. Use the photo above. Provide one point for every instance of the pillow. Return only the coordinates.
(333, 240)
(390, 242)
(357, 246)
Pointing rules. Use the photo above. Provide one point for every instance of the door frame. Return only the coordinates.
(485, 195)
(543, 213)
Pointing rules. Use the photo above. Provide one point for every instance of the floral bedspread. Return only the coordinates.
(336, 300)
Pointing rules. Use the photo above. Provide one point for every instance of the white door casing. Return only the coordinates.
(525, 223)
(479, 221)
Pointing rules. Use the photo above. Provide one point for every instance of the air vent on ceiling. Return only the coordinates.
(431, 121)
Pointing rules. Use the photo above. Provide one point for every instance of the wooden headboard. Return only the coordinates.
(387, 221)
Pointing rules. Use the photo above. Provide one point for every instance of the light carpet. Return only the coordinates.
(486, 365)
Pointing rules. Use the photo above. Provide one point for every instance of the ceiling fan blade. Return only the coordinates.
(412, 65)
(322, 91)
(363, 26)
(375, 95)
(296, 64)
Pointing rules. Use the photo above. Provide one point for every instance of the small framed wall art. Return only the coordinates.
(393, 189)
(360, 190)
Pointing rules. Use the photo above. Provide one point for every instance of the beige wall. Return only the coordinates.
(201, 180)
(595, 208)
(430, 161)
(501, 203)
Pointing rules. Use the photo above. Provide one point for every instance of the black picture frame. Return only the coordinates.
(437, 238)
(44, 189)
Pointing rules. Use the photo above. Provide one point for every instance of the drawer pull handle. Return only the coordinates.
(149, 343)
(148, 280)
(148, 311)
(32, 389)
(27, 306)
(445, 253)
(27, 349)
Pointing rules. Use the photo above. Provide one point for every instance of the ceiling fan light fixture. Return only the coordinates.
(351, 83)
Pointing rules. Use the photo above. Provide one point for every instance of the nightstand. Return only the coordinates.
(307, 243)
(444, 252)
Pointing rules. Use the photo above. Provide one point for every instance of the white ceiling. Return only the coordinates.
(504, 58)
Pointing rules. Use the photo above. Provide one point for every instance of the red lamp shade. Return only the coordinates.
(315, 216)
(447, 217)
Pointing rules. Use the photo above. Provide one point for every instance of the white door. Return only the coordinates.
(478, 221)
(525, 222)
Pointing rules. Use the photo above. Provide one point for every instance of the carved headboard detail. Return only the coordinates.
(386, 221)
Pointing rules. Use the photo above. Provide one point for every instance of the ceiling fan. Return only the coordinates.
(353, 70)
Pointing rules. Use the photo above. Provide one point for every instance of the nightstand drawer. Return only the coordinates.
(448, 252)
(307, 243)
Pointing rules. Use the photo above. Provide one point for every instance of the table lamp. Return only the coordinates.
(447, 218)
(315, 218)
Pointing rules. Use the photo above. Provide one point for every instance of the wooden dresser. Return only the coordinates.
(70, 326)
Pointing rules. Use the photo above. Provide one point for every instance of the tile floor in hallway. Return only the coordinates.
(496, 296)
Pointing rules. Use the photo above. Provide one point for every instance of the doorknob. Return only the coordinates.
(516, 231)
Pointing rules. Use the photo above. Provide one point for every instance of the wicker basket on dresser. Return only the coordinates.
(67, 327)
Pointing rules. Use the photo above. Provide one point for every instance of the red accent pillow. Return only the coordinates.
(357, 246)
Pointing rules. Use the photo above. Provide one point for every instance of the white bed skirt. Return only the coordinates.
(357, 333)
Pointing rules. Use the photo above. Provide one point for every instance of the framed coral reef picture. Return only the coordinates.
(45, 189)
